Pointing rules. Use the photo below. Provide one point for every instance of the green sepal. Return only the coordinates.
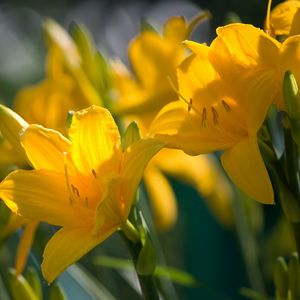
(33, 279)
(20, 288)
(57, 293)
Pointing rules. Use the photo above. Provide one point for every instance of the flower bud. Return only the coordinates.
(132, 135)
(33, 279)
(20, 288)
(294, 276)
(57, 293)
(11, 125)
(281, 279)
(146, 262)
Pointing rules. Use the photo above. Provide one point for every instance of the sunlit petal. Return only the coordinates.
(42, 195)
(95, 141)
(46, 148)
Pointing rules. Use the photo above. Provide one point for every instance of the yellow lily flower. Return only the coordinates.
(141, 96)
(284, 19)
(252, 49)
(226, 100)
(65, 88)
(85, 184)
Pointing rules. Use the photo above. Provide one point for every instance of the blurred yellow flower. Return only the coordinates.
(225, 103)
(65, 88)
(252, 49)
(154, 59)
(284, 19)
(85, 184)
(13, 156)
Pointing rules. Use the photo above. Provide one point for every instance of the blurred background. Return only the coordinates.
(198, 243)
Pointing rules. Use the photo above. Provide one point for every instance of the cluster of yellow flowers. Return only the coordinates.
(183, 95)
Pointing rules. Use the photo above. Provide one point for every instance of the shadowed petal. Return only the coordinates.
(25, 245)
(244, 165)
(67, 246)
(136, 158)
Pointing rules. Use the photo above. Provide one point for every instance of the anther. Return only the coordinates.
(190, 105)
(204, 117)
(226, 106)
(86, 201)
(94, 173)
(75, 190)
(215, 116)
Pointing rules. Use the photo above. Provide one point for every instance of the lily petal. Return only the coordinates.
(179, 129)
(136, 158)
(244, 165)
(59, 254)
(95, 140)
(248, 45)
(42, 195)
(25, 246)
(45, 148)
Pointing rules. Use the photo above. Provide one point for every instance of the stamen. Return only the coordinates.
(215, 116)
(67, 178)
(94, 173)
(226, 106)
(86, 201)
(204, 117)
(190, 105)
(75, 190)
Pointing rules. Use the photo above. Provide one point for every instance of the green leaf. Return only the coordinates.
(89, 284)
(173, 274)
(253, 295)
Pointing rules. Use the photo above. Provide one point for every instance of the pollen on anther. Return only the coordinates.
(94, 173)
(75, 190)
(190, 105)
(204, 117)
(226, 106)
(215, 116)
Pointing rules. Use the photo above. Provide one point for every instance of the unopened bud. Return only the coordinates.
(146, 262)
(132, 135)
(294, 277)
(57, 293)
(20, 288)
(33, 279)
(281, 279)
(11, 125)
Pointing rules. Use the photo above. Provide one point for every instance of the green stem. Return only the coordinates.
(296, 229)
(147, 282)
(248, 245)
